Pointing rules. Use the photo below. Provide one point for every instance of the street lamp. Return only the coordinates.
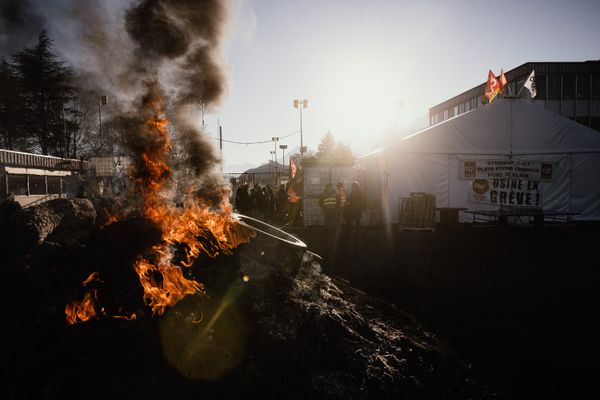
(272, 152)
(275, 139)
(102, 101)
(283, 147)
(301, 104)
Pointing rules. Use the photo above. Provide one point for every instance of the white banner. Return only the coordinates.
(530, 170)
(513, 192)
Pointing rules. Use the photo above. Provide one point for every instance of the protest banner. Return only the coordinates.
(512, 192)
(530, 170)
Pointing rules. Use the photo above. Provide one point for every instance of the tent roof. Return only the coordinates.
(372, 154)
(507, 126)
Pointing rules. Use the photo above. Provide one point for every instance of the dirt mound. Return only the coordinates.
(290, 333)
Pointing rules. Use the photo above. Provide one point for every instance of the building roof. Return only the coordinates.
(507, 126)
(30, 160)
(540, 67)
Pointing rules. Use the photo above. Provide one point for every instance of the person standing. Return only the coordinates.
(242, 199)
(294, 202)
(329, 205)
(281, 200)
(355, 205)
(342, 202)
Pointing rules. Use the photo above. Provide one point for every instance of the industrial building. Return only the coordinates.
(34, 178)
(571, 89)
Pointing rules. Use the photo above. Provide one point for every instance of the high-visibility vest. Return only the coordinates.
(329, 202)
(292, 196)
(342, 197)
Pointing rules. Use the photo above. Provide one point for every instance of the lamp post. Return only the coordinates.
(283, 147)
(301, 104)
(102, 101)
(275, 139)
(271, 165)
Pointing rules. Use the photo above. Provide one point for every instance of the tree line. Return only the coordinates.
(41, 110)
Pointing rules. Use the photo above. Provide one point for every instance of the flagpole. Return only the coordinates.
(509, 91)
(520, 90)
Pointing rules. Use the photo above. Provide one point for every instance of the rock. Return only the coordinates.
(33, 225)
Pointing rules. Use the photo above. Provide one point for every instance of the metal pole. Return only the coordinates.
(221, 145)
(301, 139)
(100, 119)
(275, 139)
(65, 141)
(102, 101)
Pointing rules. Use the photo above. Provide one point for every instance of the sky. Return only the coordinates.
(371, 68)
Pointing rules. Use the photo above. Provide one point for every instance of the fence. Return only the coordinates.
(254, 178)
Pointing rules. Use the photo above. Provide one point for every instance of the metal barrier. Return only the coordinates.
(417, 212)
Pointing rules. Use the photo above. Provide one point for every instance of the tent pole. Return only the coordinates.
(571, 182)
(510, 130)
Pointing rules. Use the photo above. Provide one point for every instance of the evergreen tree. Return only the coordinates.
(331, 150)
(11, 106)
(326, 147)
(343, 152)
(48, 93)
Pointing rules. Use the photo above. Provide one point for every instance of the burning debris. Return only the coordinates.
(197, 226)
(168, 66)
(271, 326)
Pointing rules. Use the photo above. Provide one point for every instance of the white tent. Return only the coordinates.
(508, 152)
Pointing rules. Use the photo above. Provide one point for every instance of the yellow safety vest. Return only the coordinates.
(292, 196)
(329, 202)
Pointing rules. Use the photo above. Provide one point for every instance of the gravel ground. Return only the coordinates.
(518, 304)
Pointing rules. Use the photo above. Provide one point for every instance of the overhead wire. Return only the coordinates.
(258, 142)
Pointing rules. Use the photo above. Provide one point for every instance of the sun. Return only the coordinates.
(367, 97)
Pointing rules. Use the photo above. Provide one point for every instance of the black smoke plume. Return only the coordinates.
(117, 47)
(186, 33)
(20, 24)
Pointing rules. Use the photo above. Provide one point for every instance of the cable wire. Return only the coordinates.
(259, 142)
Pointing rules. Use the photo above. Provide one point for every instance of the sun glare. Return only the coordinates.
(366, 99)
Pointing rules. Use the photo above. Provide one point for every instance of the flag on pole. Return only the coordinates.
(293, 168)
(530, 84)
(493, 87)
(502, 79)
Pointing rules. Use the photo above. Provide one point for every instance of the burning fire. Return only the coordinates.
(83, 311)
(194, 226)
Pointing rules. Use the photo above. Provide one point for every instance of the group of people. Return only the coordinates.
(285, 204)
(261, 201)
(337, 206)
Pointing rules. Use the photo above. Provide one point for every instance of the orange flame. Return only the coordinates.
(110, 218)
(82, 311)
(194, 225)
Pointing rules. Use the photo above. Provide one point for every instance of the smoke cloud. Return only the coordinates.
(121, 48)
(20, 24)
(187, 34)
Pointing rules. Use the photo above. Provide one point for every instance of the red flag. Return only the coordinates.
(493, 86)
(293, 168)
(502, 79)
